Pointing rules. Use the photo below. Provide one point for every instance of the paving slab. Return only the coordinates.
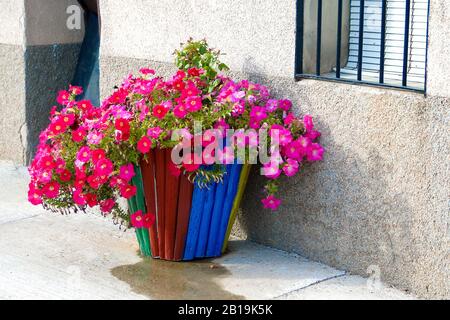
(348, 287)
(85, 256)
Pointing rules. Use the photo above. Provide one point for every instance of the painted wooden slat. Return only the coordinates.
(140, 205)
(221, 190)
(170, 211)
(205, 221)
(160, 173)
(184, 207)
(245, 172)
(198, 199)
(148, 179)
(227, 206)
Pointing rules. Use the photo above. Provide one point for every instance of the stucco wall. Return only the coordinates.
(379, 200)
(12, 80)
(38, 55)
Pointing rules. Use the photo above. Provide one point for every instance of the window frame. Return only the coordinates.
(299, 51)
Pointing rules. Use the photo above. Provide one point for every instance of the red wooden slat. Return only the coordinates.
(171, 200)
(160, 173)
(184, 208)
(148, 177)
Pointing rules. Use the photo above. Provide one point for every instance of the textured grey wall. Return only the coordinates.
(48, 69)
(12, 90)
(38, 55)
(380, 197)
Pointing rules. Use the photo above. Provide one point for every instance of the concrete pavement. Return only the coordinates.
(85, 256)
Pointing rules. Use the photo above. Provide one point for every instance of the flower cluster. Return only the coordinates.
(86, 156)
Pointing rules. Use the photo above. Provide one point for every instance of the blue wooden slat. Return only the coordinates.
(216, 217)
(206, 221)
(198, 200)
(228, 204)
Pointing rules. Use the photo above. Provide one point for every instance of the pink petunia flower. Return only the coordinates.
(116, 181)
(104, 167)
(122, 125)
(144, 145)
(271, 202)
(160, 111)
(285, 105)
(79, 198)
(68, 119)
(149, 220)
(314, 152)
(107, 205)
(147, 71)
(128, 191)
(51, 190)
(155, 132)
(34, 196)
(79, 134)
(308, 122)
(193, 103)
(137, 219)
(98, 154)
(63, 97)
(85, 105)
(127, 172)
(65, 176)
(290, 168)
(94, 137)
(180, 111)
(258, 113)
(84, 154)
(271, 170)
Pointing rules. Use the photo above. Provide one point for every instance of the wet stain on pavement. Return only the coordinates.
(158, 279)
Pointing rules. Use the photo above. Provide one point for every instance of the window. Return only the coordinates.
(384, 44)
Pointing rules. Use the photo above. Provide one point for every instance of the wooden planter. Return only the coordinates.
(191, 222)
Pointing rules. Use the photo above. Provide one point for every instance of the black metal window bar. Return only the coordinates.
(380, 52)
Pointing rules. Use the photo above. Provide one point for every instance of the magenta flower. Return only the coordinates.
(144, 145)
(107, 205)
(258, 113)
(147, 71)
(98, 154)
(84, 154)
(271, 202)
(272, 105)
(154, 133)
(116, 181)
(160, 111)
(128, 191)
(237, 110)
(137, 219)
(79, 134)
(34, 196)
(292, 150)
(286, 105)
(193, 103)
(180, 111)
(104, 167)
(308, 122)
(127, 172)
(63, 97)
(271, 170)
(51, 190)
(290, 168)
(314, 152)
(79, 198)
(94, 137)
